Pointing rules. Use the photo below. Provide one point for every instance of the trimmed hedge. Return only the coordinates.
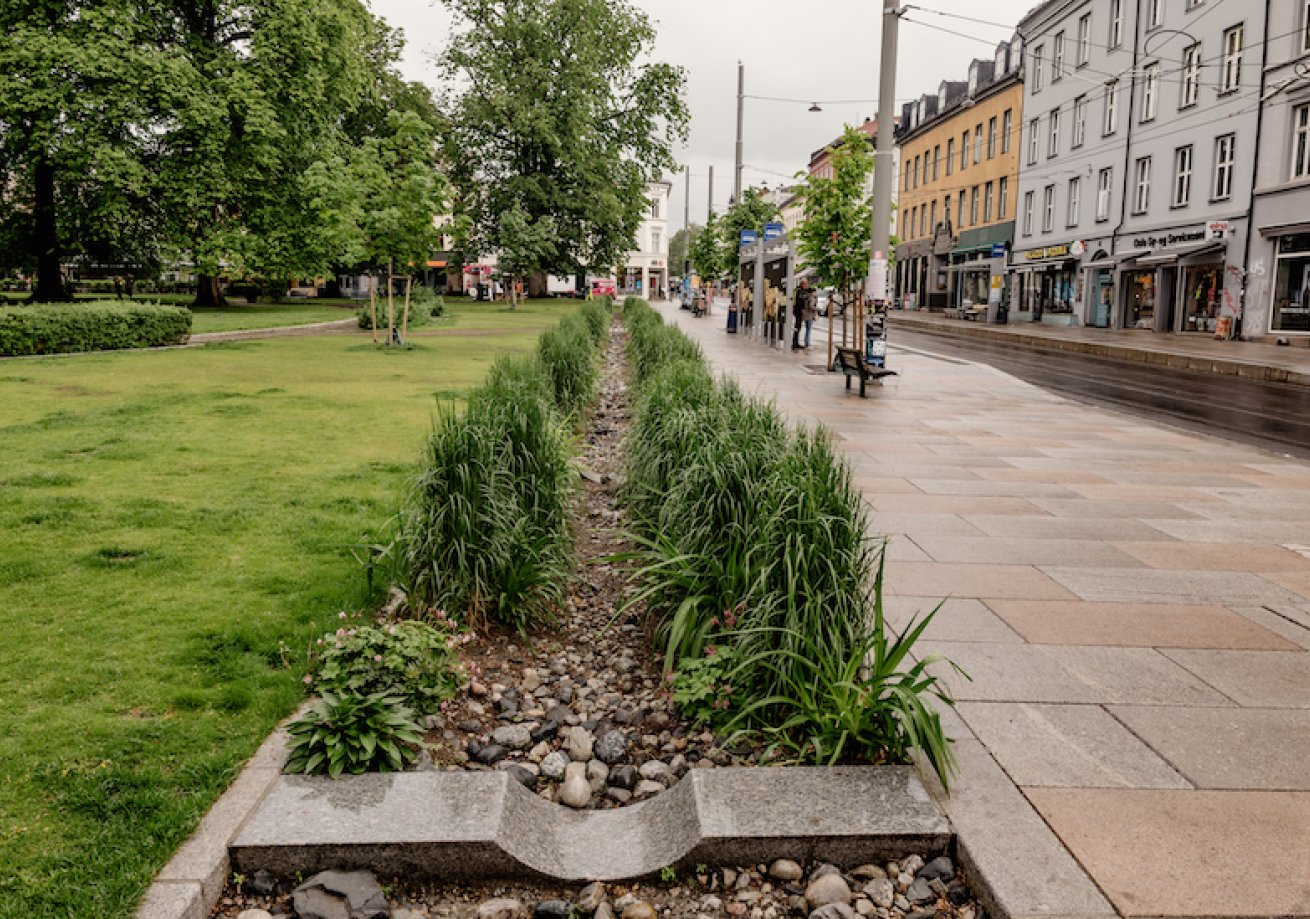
(97, 326)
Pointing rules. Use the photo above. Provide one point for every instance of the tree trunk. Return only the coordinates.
(208, 292)
(50, 287)
(537, 284)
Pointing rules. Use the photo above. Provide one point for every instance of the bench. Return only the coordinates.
(852, 363)
(976, 312)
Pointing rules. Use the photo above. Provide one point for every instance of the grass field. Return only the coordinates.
(174, 527)
(265, 316)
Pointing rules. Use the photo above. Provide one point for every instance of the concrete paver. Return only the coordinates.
(1132, 603)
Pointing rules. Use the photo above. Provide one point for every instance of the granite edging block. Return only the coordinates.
(173, 900)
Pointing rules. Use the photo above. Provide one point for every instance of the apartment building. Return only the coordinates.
(646, 268)
(1138, 154)
(1278, 265)
(959, 155)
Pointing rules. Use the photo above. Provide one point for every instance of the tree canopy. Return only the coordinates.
(833, 239)
(553, 123)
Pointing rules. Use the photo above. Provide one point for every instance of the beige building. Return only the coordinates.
(959, 178)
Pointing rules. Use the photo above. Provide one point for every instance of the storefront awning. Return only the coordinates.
(1173, 255)
(1101, 263)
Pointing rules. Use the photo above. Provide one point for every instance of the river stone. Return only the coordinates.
(523, 776)
(580, 745)
(590, 897)
(940, 868)
(911, 864)
(552, 766)
(597, 774)
(490, 754)
(655, 771)
(552, 909)
(784, 869)
(920, 892)
(340, 895)
(640, 910)
(868, 872)
(501, 908)
(833, 911)
(254, 914)
(830, 888)
(514, 736)
(624, 777)
(264, 882)
(611, 747)
(647, 789)
(576, 790)
(881, 891)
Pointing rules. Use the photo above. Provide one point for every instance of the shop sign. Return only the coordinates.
(1217, 229)
(998, 250)
(748, 237)
(773, 230)
(1078, 248)
(1165, 240)
(1033, 255)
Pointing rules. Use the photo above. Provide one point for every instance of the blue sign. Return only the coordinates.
(748, 237)
(998, 250)
(773, 230)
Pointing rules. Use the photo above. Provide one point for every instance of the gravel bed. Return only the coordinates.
(908, 889)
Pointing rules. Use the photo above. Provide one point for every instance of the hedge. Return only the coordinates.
(97, 326)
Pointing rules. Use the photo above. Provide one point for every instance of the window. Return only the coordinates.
(991, 137)
(1084, 39)
(1103, 181)
(1003, 194)
(1142, 193)
(1075, 190)
(1231, 75)
(977, 143)
(973, 207)
(1111, 108)
(923, 220)
(1151, 92)
(1057, 56)
(1032, 142)
(1053, 133)
(1048, 209)
(1079, 121)
(1191, 75)
(655, 211)
(1301, 141)
(950, 156)
(964, 149)
(1116, 23)
(946, 209)
(1027, 213)
(989, 201)
(933, 217)
(907, 179)
(1182, 176)
(1305, 26)
(1154, 13)
(916, 172)
(959, 208)
(1037, 67)
(1225, 154)
(1007, 126)
(655, 239)
(936, 161)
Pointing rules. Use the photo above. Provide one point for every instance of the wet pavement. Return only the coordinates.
(1130, 599)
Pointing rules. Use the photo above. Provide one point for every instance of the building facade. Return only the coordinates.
(1138, 150)
(646, 269)
(958, 185)
(1278, 265)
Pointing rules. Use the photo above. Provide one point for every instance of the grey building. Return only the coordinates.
(1138, 154)
(1278, 278)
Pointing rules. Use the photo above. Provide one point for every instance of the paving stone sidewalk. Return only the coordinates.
(1132, 603)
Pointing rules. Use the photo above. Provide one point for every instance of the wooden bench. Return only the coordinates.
(852, 363)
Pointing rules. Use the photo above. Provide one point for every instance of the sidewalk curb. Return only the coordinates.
(1175, 360)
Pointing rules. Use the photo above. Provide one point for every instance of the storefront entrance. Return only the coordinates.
(1291, 306)
(1139, 300)
(1203, 297)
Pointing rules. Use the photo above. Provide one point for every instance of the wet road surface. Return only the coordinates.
(1270, 415)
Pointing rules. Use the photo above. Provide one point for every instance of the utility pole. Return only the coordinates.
(884, 157)
(686, 203)
(709, 207)
(741, 99)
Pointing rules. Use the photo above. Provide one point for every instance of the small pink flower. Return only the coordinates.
(341, 615)
(710, 650)
(391, 630)
(341, 633)
(377, 658)
(670, 676)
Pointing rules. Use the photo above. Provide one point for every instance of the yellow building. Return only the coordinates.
(959, 180)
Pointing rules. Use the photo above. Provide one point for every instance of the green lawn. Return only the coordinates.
(173, 532)
(265, 316)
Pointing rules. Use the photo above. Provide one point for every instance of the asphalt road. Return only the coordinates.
(1270, 415)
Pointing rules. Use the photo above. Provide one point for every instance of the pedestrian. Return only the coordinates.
(799, 308)
(810, 312)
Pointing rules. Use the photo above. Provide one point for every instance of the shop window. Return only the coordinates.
(1203, 297)
(1140, 299)
(1291, 307)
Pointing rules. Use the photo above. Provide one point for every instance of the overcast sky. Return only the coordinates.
(808, 50)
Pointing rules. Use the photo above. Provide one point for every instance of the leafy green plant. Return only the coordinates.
(414, 660)
(702, 686)
(353, 734)
(96, 326)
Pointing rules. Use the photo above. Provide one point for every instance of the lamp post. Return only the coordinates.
(880, 232)
(741, 100)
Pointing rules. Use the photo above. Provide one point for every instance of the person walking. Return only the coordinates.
(802, 306)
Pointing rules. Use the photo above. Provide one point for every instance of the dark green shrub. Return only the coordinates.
(353, 734)
(422, 302)
(414, 660)
(97, 326)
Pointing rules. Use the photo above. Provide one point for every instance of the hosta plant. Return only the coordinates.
(354, 734)
(418, 661)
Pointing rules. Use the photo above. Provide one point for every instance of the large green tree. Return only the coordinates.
(79, 86)
(713, 254)
(679, 245)
(833, 238)
(553, 118)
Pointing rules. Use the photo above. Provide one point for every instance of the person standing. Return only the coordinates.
(798, 305)
(810, 311)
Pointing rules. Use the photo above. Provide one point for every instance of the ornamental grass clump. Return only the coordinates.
(568, 354)
(753, 562)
